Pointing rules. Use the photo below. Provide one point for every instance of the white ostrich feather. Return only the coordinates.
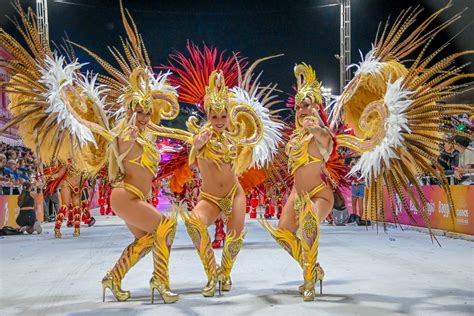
(96, 92)
(55, 75)
(159, 82)
(264, 151)
(368, 64)
(397, 99)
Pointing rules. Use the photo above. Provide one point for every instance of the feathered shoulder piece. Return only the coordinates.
(393, 107)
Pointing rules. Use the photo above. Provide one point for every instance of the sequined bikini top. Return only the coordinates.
(150, 158)
(298, 153)
(220, 149)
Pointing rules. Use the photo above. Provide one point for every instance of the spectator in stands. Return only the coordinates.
(3, 173)
(466, 159)
(15, 178)
(23, 168)
(27, 216)
(12, 155)
(449, 157)
(18, 176)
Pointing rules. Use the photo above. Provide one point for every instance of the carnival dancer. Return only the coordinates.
(240, 133)
(61, 116)
(391, 107)
(70, 180)
(311, 199)
(144, 99)
(254, 201)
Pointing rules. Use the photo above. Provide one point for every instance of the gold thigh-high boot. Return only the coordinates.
(130, 256)
(163, 240)
(232, 245)
(286, 239)
(201, 240)
(309, 235)
(291, 244)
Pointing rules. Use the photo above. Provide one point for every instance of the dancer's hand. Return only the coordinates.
(131, 133)
(134, 132)
(310, 124)
(201, 139)
(313, 123)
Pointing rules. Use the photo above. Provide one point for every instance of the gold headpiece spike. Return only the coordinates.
(138, 92)
(216, 97)
(307, 84)
(133, 36)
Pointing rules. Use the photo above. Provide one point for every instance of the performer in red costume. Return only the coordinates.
(254, 203)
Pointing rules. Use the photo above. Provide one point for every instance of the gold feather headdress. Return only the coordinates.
(307, 84)
(217, 93)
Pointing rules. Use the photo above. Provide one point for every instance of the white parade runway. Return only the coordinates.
(399, 273)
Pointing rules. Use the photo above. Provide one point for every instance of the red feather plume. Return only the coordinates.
(191, 71)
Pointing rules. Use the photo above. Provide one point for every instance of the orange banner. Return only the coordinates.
(9, 209)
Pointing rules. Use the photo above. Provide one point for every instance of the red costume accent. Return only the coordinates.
(254, 204)
(220, 235)
(279, 206)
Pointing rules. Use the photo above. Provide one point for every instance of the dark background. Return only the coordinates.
(303, 30)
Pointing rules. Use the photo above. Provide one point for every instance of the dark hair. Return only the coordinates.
(26, 190)
(461, 140)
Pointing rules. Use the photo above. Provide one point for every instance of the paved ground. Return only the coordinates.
(367, 273)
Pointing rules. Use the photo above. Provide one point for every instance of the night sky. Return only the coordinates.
(303, 30)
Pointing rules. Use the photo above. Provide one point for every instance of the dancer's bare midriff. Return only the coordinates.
(216, 180)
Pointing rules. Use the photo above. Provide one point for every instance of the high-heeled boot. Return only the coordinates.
(59, 220)
(201, 240)
(292, 244)
(162, 242)
(232, 245)
(286, 239)
(309, 235)
(133, 253)
(76, 212)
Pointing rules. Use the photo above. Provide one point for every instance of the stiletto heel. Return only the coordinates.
(220, 286)
(319, 277)
(165, 293)
(109, 283)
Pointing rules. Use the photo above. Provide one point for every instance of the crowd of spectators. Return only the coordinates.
(17, 165)
(457, 154)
